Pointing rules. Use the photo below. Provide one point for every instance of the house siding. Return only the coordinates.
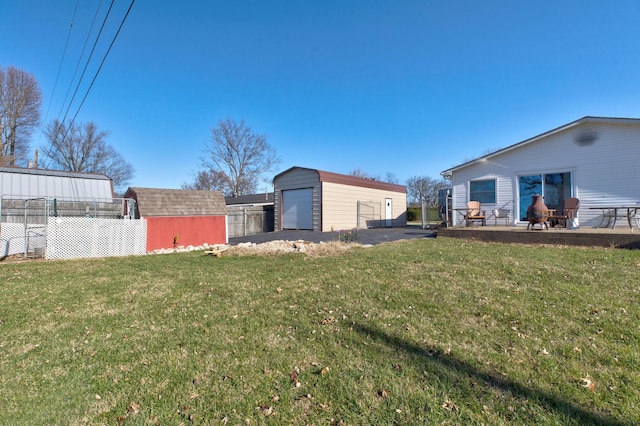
(604, 173)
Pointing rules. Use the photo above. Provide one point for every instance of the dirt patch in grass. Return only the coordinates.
(333, 248)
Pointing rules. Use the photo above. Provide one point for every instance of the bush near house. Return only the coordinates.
(414, 214)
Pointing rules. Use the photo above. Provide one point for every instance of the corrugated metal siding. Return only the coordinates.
(340, 205)
(605, 173)
(28, 185)
(297, 179)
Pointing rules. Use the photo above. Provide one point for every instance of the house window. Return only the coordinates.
(483, 191)
(554, 187)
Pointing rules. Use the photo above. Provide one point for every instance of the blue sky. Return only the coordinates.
(404, 87)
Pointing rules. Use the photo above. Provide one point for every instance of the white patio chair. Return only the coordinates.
(501, 214)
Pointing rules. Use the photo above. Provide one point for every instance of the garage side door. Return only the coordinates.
(297, 209)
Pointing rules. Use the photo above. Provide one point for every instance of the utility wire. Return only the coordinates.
(86, 41)
(54, 145)
(103, 60)
(88, 61)
(64, 52)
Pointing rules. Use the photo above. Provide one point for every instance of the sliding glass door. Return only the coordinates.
(554, 187)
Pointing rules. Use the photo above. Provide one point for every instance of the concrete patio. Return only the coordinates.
(619, 237)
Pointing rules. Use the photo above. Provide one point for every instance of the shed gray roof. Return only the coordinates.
(59, 173)
(18, 182)
(177, 202)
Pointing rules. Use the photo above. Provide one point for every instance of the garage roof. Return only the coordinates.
(177, 202)
(349, 180)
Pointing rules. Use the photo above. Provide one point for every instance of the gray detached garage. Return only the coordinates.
(324, 201)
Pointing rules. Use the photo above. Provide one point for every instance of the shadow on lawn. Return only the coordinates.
(455, 368)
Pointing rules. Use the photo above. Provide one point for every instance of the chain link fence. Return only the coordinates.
(369, 215)
(243, 221)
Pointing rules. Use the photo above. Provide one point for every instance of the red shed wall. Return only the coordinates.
(190, 230)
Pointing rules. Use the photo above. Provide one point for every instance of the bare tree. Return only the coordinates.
(391, 178)
(424, 188)
(240, 154)
(358, 172)
(20, 102)
(84, 148)
(208, 180)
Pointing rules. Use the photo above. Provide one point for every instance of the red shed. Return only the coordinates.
(181, 217)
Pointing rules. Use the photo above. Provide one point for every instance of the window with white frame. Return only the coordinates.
(483, 190)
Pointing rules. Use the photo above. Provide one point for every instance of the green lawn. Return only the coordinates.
(433, 331)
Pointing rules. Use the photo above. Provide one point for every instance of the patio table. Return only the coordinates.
(462, 211)
(612, 213)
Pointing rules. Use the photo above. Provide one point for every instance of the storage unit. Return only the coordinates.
(594, 159)
(323, 201)
(23, 183)
(181, 217)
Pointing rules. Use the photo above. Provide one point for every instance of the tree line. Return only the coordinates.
(235, 156)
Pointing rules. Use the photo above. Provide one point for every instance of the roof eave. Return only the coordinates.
(584, 120)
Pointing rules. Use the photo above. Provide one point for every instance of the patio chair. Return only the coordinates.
(569, 212)
(474, 214)
(501, 214)
(634, 216)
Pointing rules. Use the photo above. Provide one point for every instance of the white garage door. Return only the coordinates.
(297, 209)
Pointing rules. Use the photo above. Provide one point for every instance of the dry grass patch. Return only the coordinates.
(277, 247)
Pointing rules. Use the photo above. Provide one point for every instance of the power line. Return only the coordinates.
(104, 22)
(104, 59)
(64, 52)
(54, 145)
(75, 71)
